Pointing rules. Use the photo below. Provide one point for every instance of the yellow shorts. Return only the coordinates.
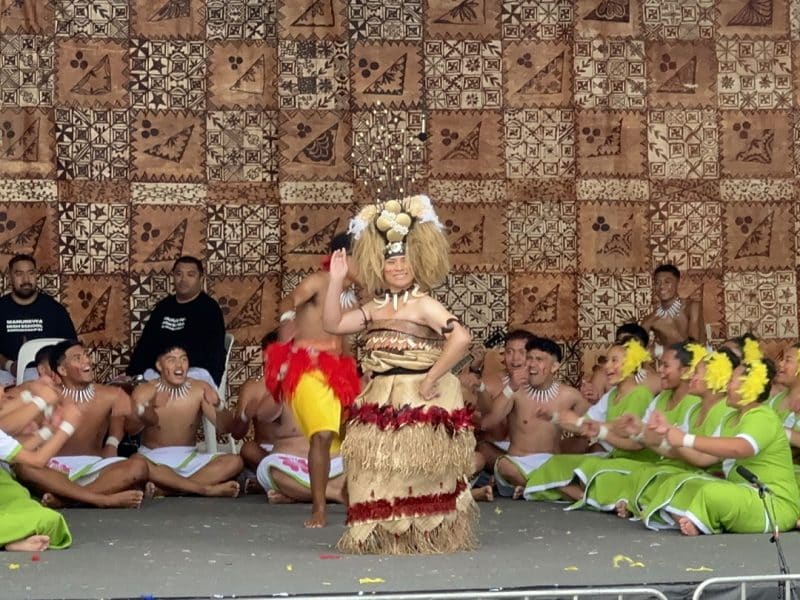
(316, 408)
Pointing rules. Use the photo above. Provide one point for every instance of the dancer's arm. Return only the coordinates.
(333, 320)
(457, 340)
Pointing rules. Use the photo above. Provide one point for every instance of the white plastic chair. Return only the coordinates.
(209, 429)
(28, 352)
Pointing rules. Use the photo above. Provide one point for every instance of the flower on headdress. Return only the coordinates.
(751, 351)
(361, 221)
(635, 356)
(753, 383)
(698, 353)
(719, 370)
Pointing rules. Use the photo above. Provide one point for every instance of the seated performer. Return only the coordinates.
(87, 469)
(26, 525)
(409, 447)
(533, 440)
(676, 319)
(190, 319)
(27, 313)
(753, 438)
(312, 375)
(786, 403)
(168, 412)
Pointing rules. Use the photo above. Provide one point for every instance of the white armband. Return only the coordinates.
(67, 427)
(28, 398)
(140, 408)
(603, 433)
(45, 433)
(664, 446)
(580, 421)
(688, 440)
(555, 418)
(507, 391)
(112, 441)
(289, 315)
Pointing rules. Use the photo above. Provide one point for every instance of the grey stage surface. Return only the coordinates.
(186, 547)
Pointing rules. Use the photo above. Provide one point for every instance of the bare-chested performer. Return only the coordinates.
(87, 469)
(676, 319)
(313, 375)
(533, 439)
(168, 411)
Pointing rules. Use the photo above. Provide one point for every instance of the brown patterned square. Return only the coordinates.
(608, 188)
(243, 239)
(249, 305)
(611, 143)
(307, 232)
(537, 19)
(682, 143)
(98, 306)
(541, 190)
(187, 194)
(92, 18)
(465, 144)
(242, 192)
(396, 130)
(92, 73)
(759, 239)
(146, 290)
(168, 18)
(388, 73)
(477, 235)
(317, 192)
(542, 236)
(540, 143)
(320, 19)
(595, 18)
(479, 300)
(754, 74)
(109, 361)
(94, 238)
(610, 73)
(381, 20)
(757, 190)
(242, 75)
(612, 236)
(92, 143)
(687, 234)
(474, 19)
(679, 19)
(756, 144)
(117, 191)
(167, 146)
(241, 19)
(313, 74)
(26, 143)
(28, 190)
(689, 190)
(545, 304)
(606, 301)
(315, 145)
(756, 18)
(26, 70)
(681, 73)
(241, 145)
(29, 228)
(474, 191)
(463, 74)
(764, 304)
(35, 16)
(537, 74)
(160, 234)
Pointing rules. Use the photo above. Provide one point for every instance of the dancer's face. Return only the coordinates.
(666, 286)
(787, 367)
(76, 368)
(670, 370)
(542, 367)
(616, 356)
(173, 366)
(514, 355)
(397, 273)
(697, 383)
(734, 397)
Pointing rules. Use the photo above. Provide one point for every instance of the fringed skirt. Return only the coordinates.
(407, 464)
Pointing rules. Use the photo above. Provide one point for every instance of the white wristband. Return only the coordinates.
(244, 418)
(112, 441)
(688, 440)
(603, 433)
(507, 391)
(45, 433)
(28, 398)
(67, 427)
(555, 418)
(289, 315)
(788, 434)
(664, 446)
(482, 387)
(140, 408)
(580, 421)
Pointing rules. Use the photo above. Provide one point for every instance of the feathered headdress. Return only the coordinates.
(755, 379)
(635, 357)
(698, 353)
(407, 227)
(719, 370)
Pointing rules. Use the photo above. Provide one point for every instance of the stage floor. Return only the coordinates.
(187, 547)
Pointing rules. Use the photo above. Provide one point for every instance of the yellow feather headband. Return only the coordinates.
(756, 375)
(635, 357)
(698, 353)
(719, 370)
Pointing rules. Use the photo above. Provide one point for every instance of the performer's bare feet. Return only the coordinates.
(318, 520)
(227, 489)
(687, 527)
(518, 491)
(151, 490)
(483, 494)
(251, 486)
(126, 499)
(52, 501)
(275, 497)
(35, 543)
(622, 509)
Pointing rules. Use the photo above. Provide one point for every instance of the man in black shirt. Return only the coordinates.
(27, 313)
(190, 319)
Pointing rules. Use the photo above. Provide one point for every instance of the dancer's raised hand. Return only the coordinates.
(339, 266)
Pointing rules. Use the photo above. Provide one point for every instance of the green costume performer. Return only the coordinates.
(20, 516)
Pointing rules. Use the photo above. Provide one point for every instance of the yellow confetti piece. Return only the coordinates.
(700, 569)
(13, 566)
(627, 560)
(289, 568)
(571, 568)
(371, 580)
(498, 510)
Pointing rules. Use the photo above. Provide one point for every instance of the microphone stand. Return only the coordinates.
(775, 539)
